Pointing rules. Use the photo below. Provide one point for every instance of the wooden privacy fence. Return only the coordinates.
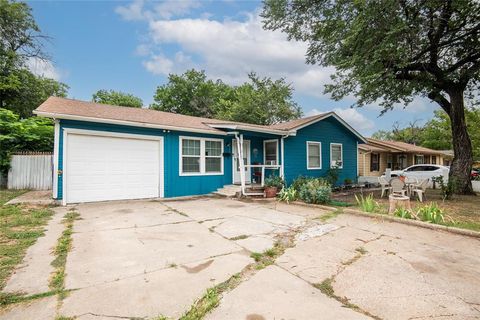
(31, 170)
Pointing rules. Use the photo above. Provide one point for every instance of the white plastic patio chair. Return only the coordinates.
(420, 189)
(398, 187)
(386, 188)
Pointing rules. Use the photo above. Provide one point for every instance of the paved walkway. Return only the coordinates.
(143, 259)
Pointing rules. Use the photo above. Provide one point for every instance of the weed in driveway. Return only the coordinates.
(326, 288)
(210, 299)
(268, 257)
(361, 250)
(64, 245)
(241, 237)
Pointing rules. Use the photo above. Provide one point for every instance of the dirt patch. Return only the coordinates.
(124, 211)
(254, 316)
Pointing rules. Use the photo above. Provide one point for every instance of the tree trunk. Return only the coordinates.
(461, 167)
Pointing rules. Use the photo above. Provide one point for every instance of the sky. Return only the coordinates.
(132, 46)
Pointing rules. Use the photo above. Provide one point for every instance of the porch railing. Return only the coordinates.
(263, 168)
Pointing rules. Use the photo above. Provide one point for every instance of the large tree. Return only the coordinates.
(392, 51)
(32, 134)
(258, 101)
(117, 98)
(261, 101)
(20, 41)
(191, 93)
(33, 91)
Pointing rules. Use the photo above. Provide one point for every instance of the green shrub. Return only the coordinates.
(403, 213)
(288, 194)
(274, 182)
(299, 182)
(332, 175)
(367, 204)
(315, 191)
(431, 213)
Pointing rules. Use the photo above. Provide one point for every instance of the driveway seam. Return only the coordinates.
(136, 227)
(157, 270)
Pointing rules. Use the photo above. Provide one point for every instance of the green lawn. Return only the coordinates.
(460, 211)
(20, 227)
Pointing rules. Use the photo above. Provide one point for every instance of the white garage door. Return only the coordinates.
(99, 168)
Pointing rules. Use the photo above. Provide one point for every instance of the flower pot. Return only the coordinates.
(270, 192)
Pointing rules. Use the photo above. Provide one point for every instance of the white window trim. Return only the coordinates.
(201, 156)
(265, 151)
(341, 154)
(422, 156)
(308, 155)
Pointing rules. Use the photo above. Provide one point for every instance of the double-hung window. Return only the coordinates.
(213, 156)
(270, 150)
(314, 155)
(336, 155)
(374, 162)
(201, 156)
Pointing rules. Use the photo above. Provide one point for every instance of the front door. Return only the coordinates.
(236, 163)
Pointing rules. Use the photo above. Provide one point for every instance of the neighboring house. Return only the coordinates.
(376, 156)
(106, 152)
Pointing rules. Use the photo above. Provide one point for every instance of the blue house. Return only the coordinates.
(107, 152)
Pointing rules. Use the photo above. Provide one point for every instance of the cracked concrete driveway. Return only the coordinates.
(143, 259)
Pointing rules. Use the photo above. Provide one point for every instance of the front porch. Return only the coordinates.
(255, 157)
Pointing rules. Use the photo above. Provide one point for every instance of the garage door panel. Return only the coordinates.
(111, 168)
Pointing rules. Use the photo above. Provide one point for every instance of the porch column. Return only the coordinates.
(282, 158)
(240, 162)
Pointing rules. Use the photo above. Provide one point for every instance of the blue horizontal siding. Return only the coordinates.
(174, 184)
(327, 131)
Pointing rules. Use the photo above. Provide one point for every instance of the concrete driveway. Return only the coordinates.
(145, 259)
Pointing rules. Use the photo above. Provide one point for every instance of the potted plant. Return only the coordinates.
(272, 185)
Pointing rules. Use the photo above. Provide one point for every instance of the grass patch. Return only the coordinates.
(461, 211)
(20, 227)
(470, 225)
(329, 215)
(9, 298)
(241, 237)
(337, 203)
(7, 195)
(267, 257)
(210, 299)
(326, 287)
(64, 244)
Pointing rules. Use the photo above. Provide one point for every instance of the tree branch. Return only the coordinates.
(436, 96)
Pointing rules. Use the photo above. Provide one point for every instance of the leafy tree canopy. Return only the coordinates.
(391, 51)
(21, 40)
(191, 93)
(435, 134)
(117, 98)
(259, 101)
(32, 134)
(32, 91)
